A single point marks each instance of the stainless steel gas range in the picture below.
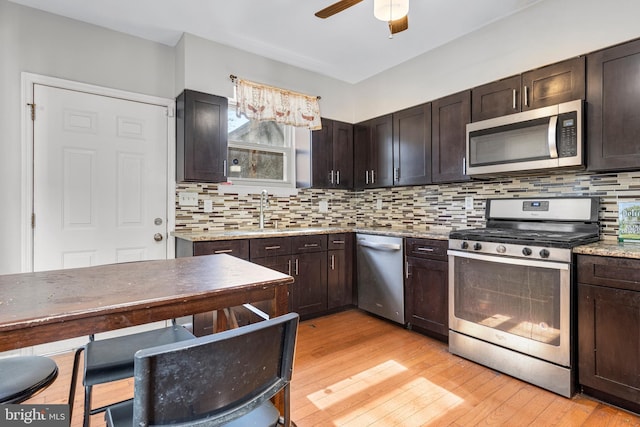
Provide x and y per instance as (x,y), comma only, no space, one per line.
(511,290)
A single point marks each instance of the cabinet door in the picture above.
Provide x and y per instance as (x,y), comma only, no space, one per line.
(342,151)
(426,290)
(496,99)
(381,174)
(554,84)
(449,132)
(309,292)
(322,154)
(609,341)
(373,147)
(340,270)
(613,108)
(412,146)
(201,137)
(361,154)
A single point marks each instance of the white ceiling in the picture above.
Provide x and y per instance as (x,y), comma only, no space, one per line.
(350,46)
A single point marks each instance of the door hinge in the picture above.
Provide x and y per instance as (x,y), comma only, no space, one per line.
(33,111)
(170,112)
(33,220)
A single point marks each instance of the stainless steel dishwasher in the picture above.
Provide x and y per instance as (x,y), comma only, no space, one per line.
(380,276)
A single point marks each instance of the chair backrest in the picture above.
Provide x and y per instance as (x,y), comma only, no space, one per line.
(214,379)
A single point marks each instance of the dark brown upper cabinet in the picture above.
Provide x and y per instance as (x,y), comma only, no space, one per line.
(553,84)
(613,108)
(450,116)
(373,147)
(201,137)
(332,155)
(412,146)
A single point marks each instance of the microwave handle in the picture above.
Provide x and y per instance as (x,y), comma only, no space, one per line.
(551,138)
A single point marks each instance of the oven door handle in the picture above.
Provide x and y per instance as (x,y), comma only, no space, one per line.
(512,261)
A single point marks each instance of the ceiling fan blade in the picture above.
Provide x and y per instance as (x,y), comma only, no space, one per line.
(399,24)
(336,7)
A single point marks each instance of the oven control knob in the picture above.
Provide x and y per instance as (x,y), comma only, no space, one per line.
(501,249)
(477,246)
(526,251)
(464,245)
(544,253)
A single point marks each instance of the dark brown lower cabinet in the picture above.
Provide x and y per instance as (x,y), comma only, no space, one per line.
(609,329)
(340,270)
(426,287)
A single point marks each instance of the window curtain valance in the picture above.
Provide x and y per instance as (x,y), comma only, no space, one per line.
(261,102)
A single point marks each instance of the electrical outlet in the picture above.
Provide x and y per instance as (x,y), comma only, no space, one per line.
(468,203)
(379,204)
(208,206)
(187,198)
(323,206)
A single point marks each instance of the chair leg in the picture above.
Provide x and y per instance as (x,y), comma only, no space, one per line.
(74,380)
(87,406)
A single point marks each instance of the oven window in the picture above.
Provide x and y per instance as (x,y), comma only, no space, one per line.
(517,299)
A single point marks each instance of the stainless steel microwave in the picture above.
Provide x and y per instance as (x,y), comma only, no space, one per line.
(544,138)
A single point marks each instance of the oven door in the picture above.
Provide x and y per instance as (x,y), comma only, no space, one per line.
(520,304)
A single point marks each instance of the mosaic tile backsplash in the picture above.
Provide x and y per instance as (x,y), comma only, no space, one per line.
(420,207)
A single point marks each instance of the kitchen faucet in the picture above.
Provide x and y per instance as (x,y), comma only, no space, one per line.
(264,202)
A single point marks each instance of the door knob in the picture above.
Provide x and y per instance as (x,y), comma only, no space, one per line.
(157,237)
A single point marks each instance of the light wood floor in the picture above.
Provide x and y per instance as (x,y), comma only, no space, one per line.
(352,369)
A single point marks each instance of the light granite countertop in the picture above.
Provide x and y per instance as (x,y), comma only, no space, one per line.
(206,236)
(602,248)
(610,248)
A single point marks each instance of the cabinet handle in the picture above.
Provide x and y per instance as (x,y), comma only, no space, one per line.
(514,99)
(270,248)
(406,269)
(331,177)
(311,245)
(289,267)
(526,96)
(338,242)
(333,262)
(296,267)
(338,177)
(223,251)
(396,174)
(366,177)
(224,168)
(425,249)
(464,166)
(373,177)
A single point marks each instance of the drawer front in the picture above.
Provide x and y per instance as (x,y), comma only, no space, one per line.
(426,248)
(314,243)
(271,246)
(238,248)
(620,273)
(338,241)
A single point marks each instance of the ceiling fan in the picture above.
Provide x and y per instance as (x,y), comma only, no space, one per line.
(394,12)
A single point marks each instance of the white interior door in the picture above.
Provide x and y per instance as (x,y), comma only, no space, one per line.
(100,179)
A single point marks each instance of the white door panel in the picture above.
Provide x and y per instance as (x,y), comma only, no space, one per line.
(100,179)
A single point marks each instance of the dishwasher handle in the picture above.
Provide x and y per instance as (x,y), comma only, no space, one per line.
(387,247)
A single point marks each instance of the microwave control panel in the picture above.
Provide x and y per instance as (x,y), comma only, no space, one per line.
(567,134)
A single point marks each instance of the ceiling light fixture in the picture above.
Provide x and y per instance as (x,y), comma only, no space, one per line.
(390,10)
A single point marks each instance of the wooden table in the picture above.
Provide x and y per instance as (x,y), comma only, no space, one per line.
(37,308)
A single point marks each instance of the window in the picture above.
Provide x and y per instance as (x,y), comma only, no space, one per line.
(260,153)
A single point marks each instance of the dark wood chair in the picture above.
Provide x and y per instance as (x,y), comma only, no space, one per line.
(21,377)
(111,359)
(227,378)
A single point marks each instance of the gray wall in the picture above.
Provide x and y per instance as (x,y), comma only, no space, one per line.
(46,44)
